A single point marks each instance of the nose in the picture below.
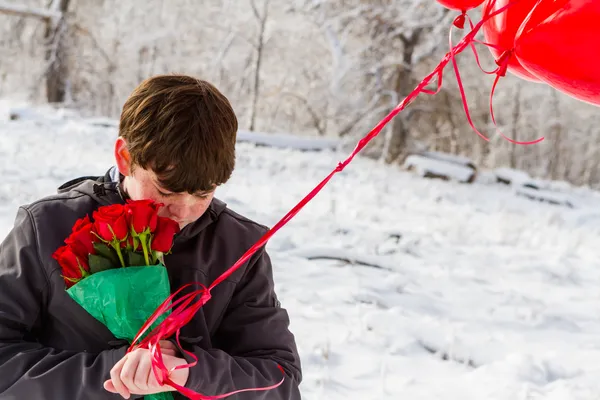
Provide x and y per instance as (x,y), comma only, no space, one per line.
(178,211)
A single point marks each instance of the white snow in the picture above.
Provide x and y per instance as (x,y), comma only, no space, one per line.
(47,114)
(280,140)
(481,294)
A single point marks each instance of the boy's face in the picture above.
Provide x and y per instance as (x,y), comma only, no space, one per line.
(140,184)
(184,208)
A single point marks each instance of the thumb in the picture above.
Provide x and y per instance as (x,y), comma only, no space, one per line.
(108,385)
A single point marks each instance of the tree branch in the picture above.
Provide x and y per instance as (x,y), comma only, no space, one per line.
(78,28)
(313,113)
(24,11)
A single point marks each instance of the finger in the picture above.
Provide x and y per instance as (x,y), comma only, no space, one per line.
(153,384)
(129,371)
(177,376)
(169,352)
(141,375)
(115,373)
(168,345)
(108,386)
(168,348)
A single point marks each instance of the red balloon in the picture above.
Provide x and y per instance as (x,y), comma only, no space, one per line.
(460,5)
(559,44)
(501,30)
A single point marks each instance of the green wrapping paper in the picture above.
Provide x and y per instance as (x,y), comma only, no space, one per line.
(123,299)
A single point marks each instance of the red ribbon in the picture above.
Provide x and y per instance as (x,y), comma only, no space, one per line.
(183,310)
(502,63)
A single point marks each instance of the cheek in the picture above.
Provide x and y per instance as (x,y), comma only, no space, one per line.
(138,190)
(183,208)
(146,193)
(199,208)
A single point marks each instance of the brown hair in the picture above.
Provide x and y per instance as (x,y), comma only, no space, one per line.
(182,128)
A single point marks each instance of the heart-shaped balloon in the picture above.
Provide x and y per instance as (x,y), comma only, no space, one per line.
(460,5)
(501,29)
(560,44)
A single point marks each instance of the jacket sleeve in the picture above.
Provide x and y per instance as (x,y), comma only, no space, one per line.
(252,340)
(28,369)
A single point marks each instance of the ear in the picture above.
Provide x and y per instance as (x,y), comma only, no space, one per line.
(122,156)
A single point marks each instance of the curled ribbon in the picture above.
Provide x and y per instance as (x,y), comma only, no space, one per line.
(183,309)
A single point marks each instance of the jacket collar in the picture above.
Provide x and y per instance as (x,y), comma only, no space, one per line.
(107,189)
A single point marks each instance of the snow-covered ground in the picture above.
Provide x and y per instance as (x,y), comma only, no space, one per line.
(445,291)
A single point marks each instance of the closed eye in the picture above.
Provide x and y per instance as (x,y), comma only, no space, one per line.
(163,194)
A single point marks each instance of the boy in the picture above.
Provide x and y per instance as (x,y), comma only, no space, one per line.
(176,145)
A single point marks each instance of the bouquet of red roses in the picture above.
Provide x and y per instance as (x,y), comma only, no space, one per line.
(113,266)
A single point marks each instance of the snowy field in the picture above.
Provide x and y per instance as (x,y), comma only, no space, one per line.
(398,287)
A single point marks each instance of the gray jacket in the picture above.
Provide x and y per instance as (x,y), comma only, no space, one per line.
(51,348)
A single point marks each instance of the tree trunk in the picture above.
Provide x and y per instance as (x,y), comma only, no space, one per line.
(516,113)
(262,21)
(555,135)
(57,73)
(454,146)
(397,146)
(403,84)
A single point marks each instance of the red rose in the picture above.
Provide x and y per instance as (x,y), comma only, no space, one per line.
(110,222)
(142,215)
(74,268)
(82,239)
(81,223)
(166,228)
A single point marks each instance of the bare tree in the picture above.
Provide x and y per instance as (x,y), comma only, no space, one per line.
(388,40)
(553,131)
(516,111)
(309,67)
(28,11)
(57,67)
(590,158)
(261,18)
(55,32)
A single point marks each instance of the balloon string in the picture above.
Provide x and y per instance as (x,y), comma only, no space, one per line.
(475,51)
(180,316)
(197,396)
(462,90)
(500,71)
(183,310)
(503,66)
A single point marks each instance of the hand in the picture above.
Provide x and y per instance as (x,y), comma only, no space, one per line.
(166,347)
(133,374)
(169,348)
